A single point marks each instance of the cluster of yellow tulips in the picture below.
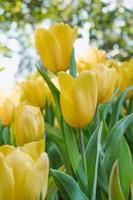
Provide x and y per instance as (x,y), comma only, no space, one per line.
(58,107)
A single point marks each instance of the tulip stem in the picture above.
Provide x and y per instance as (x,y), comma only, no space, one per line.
(82,149)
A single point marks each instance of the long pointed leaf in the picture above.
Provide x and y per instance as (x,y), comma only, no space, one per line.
(55,92)
(92,157)
(115,192)
(67,186)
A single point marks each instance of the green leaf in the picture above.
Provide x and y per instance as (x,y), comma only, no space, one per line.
(104,109)
(1,129)
(54,91)
(119,129)
(118,105)
(54,134)
(72,148)
(6,136)
(73,69)
(52,188)
(49,114)
(117,148)
(40,196)
(115,192)
(104,134)
(67,186)
(125,167)
(73,154)
(92,158)
(132,191)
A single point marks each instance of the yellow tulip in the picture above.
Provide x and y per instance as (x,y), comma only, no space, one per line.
(55,46)
(35,91)
(28,124)
(78,98)
(91,58)
(96,56)
(126,72)
(107,79)
(23,176)
(6,112)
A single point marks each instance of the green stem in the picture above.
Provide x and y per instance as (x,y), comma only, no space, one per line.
(82,149)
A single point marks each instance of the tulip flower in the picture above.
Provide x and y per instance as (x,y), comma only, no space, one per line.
(92,57)
(78,98)
(28,124)
(35,91)
(126,72)
(23,175)
(107,80)
(55,46)
(6,112)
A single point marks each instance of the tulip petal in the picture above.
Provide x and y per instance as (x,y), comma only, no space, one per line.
(20,162)
(48,49)
(66,36)
(37,177)
(6,149)
(65,82)
(7,181)
(34,149)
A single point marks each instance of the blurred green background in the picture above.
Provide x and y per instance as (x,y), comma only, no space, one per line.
(109,24)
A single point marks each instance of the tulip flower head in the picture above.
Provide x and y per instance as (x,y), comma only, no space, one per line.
(91,58)
(28,124)
(6,112)
(23,176)
(55,45)
(107,79)
(78,98)
(126,72)
(35,92)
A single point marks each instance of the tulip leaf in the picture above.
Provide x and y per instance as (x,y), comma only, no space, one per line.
(125,167)
(72,148)
(67,186)
(6,136)
(1,129)
(119,129)
(54,134)
(73,68)
(117,148)
(52,187)
(40,196)
(132,191)
(54,91)
(118,105)
(115,191)
(92,157)
(104,109)
(74,155)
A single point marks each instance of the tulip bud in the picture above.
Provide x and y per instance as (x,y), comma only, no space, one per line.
(6,112)
(107,79)
(35,92)
(28,124)
(23,176)
(55,46)
(78,98)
